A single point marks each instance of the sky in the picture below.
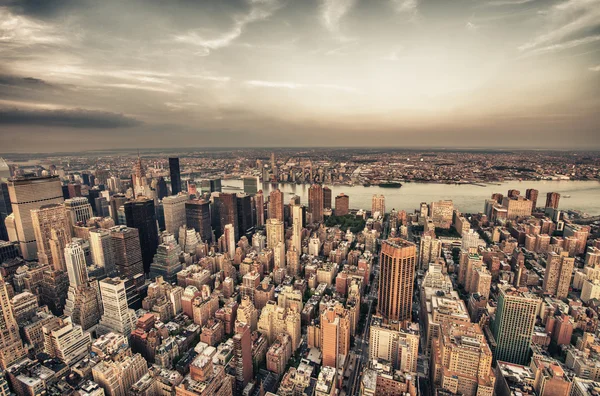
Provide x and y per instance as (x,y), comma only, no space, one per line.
(88,74)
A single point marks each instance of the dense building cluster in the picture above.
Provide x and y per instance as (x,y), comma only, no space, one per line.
(151,286)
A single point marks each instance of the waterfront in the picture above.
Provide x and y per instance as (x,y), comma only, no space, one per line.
(468,198)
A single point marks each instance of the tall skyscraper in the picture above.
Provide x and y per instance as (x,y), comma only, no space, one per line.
(11,347)
(513,325)
(5,210)
(244,212)
(27,194)
(315,202)
(140,214)
(297,227)
(430,249)
(79,210)
(82,303)
(259,203)
(276,205)
(532,195)
(175,175)
(127,251)
(326,198)
(52,232)
(275,233)
(378,205)
(335,335)
(116,201)
(139,183)
(557,278)
(342,205)
(225,212)
(251,184)
(102,249)
(175,214)
(197,216)
(242,353)
(397,260)
(552,200)
(117,317)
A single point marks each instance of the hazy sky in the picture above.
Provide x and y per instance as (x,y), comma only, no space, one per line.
(89,74)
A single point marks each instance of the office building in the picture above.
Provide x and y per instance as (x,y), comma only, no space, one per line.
(552,200)
(326,198)
(276,205)
(245,215)
(127,251)
(513,325)
(559,271)
(259,204)
(79,210)
(166,262)
(315,203)
(11,346)
(532,195)
(66,341)
(242,353)
(251,184)
(378,205)
(117,201)
(140,214)
(430,249)
(27,194)
(275,233)
(5,210)
(297,214)
(396,279)
(102,249)
(335,335)
(175,174)
(224,211)
(52,232)
(174,208)
(342,205)
(117,316)
(197,216)
(394,344)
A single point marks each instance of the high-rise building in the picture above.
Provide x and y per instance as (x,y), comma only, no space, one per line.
(259,203)
(225,212)
(5,210)
(175,213)
(315,202)
(552,200)
(275,233)
(517,206)
(276,205)
(513,325)
(175,175)
(244,212)
(396,280)
(378,205)
(335,335)
(342,205)
(11,347)
(559,270)
(102,249)
(430,249)
(394,344)
(139,183)
(242,352)
(442,213)
(532,195)
(166,262)
(297,227)
(52,232)
(82,303)
(79,210)
(251,184)
(140,214)
(162,191)
(65,340)
(326,197)
(117,317)
(127,251)
(117,201)
(27,194)
(197,216)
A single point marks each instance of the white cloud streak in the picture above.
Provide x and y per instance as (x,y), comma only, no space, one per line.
(293,85)
(332,12)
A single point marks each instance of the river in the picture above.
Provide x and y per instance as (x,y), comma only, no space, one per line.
(468,198)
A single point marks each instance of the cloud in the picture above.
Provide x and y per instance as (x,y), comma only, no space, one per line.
(568,24)
(292,85)
(259,10)
(332,12)
(406,6)
(595,68)
(71,118)
(565,45)
(19,81)
(471,27)
(21,31)
(508,2)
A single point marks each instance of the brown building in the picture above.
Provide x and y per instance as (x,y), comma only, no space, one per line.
(552,199)
(342,205)
(242,353)
(315,202)
(398,261)
(326,198)
(532,195)
(276,205)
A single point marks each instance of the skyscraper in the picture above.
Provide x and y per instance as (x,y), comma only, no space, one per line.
(275,233)
(52,233)
(102,249)
(5,210)
(396,280)
(342,205)
(139,182)
(79,210)
(557,278)
(116,201)
(251,184)
(140,214)
(513,325)
(552,199)
(11,347)
(224,212)
(276,205)
(175,213)
(117,316)
(175,175)
(197,216)
(315,202)
(242,353)
(127,251)
(27,194)
(259,203)
(378,205)
(297,227)
(532,195)
(326,198)
(244,212)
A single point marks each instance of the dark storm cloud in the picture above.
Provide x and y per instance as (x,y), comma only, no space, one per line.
(71,118)
(18,81)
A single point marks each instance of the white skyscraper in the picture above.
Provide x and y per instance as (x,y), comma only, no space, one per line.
(79,209)
(76,266)
(101,245)
(297,227)
(230,238)
(174,207)
(117,316)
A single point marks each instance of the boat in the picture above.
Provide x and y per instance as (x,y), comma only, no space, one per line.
(566,196)
(366,185)
(391,185)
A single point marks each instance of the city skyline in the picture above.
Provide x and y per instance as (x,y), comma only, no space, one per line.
(264,73)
